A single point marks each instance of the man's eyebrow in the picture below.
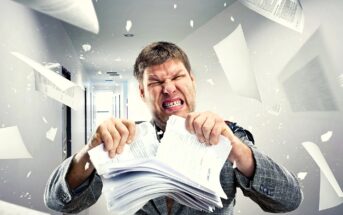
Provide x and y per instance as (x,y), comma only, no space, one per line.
(153,77)
(179,71)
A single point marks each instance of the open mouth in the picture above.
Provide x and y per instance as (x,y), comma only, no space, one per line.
(172,104)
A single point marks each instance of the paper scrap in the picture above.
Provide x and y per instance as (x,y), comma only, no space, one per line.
(326,137)
(210,81)
(28,174)
(51,134)
(44,120)
(86,47)
(302,175)
(232,19)
(128,25)
(79,13)
(331,194)
(234,57)
(191,23)
(288,13)
(54,85)
(7,208)
(12,145)
(175,6)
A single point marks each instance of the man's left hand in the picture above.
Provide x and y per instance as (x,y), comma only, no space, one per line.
(208,127)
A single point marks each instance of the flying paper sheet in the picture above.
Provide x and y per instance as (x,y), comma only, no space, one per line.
(78,13)
(51,134)
(53,84)
(288,13)
(326,137)
(331,194)
(307,78)
(12,145)
(7,208)
(234,57)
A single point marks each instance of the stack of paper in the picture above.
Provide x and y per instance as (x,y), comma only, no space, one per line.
(179,167)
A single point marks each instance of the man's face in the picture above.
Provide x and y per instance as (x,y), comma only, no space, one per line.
(168,89)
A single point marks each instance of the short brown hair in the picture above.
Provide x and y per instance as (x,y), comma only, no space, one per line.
(157,53)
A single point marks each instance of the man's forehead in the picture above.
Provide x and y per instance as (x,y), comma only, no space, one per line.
(169,66)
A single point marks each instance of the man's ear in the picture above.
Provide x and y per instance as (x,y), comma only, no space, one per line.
(193,79)
(141,91)
(192,76)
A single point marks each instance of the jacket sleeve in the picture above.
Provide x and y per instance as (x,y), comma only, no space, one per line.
(59,197)
(272,186)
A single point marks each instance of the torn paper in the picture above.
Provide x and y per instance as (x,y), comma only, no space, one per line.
(86,47)
(51,134)
(331,194)
(147,170)
(326,137)
(301,175)
(12,145)
(54,85)
(79,13)
(128,25)
(7,208)
(234,58)
(204,165)
(191,23)
(288,13)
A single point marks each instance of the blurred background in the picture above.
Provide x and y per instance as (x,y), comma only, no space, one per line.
(284,83)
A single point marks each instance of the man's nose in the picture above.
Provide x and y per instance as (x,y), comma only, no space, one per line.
(169,87)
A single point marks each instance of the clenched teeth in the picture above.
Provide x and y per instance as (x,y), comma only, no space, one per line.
(172,104)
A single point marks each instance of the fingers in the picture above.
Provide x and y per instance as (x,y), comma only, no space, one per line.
(207,127)
(114,134)
(127,130)
(131,126)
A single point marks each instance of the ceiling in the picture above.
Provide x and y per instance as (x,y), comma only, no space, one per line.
(152,20)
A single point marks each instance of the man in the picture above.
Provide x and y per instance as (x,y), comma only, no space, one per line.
(167,86)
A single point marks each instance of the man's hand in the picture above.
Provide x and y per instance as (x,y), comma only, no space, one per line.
(208,127)
(114,134)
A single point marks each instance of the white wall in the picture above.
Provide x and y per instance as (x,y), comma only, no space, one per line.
(43,39)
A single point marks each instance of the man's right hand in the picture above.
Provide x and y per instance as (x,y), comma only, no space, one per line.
(114,134)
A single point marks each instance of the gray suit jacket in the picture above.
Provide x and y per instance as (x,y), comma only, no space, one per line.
(272,187)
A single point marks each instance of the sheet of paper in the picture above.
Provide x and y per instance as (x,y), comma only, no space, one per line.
(12,145)
(7,208)
(307,78)
(288,13)
(144,145)
(331,194)
(54,85)
(234,58)
(198,161)
(79,13)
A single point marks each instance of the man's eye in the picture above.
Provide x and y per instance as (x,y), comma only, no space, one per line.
(178,77)
(154,83)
